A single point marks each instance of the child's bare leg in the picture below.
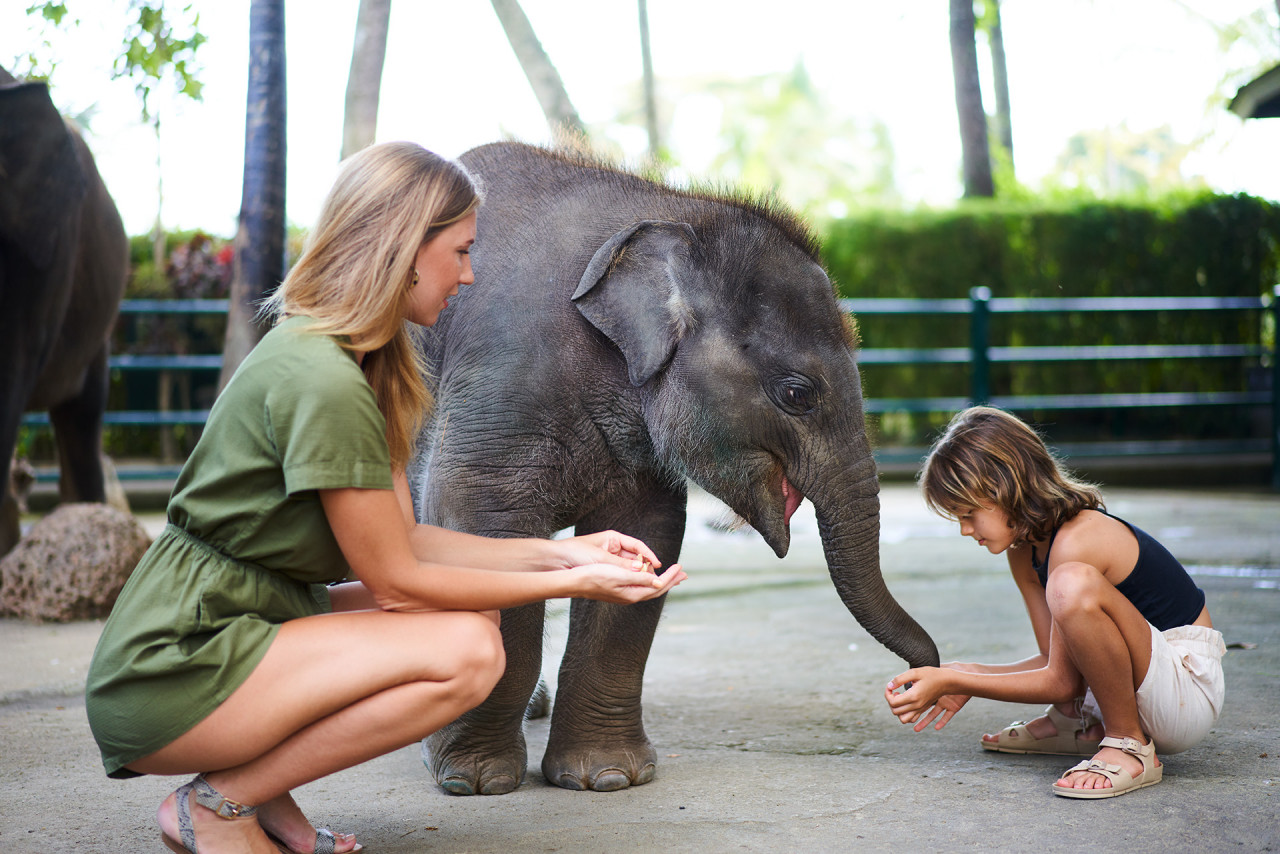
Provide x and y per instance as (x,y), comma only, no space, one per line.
(331,692)
(1109,642)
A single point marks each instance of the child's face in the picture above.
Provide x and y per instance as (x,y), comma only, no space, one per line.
(987,525)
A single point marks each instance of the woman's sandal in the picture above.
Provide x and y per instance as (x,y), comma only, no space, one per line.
(1016,738)
(326,843)
(1121,780)
(210,798)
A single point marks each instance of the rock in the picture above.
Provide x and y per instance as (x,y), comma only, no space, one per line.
(72,565)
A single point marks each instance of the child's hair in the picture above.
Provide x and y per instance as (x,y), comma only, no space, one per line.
(989,458)
(356,268)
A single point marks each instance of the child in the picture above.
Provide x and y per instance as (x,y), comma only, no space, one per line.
(1122,629)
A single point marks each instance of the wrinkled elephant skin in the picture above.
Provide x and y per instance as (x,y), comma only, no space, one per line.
(621,339)
(63,261)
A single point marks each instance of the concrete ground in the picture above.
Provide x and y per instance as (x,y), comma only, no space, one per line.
(763,698)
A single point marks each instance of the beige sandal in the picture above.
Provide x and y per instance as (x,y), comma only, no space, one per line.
(1016,738)
(1121,781)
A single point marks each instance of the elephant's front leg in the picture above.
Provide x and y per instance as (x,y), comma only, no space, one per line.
(597,736)
(483,752)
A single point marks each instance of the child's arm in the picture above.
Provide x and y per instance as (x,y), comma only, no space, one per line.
(1024,575)
(934,690)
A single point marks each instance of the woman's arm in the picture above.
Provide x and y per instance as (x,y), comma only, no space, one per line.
(371,530)
(440,545)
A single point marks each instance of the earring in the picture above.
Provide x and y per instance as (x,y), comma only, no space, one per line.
(414,283)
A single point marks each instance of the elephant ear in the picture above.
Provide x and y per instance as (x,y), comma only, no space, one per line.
(41,181)
(631,292)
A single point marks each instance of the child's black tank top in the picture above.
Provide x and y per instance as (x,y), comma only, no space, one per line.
(1159,587)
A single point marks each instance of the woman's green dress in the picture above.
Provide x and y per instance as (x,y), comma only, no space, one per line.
(246,547)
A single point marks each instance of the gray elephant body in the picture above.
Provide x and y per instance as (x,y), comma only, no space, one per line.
(621,338)
(63,263)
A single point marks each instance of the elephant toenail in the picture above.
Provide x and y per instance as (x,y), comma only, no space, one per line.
(457,786)
(611,781)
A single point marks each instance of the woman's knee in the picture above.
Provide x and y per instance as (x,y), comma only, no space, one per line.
(481,658)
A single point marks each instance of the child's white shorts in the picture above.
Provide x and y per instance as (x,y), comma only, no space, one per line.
(1181,696)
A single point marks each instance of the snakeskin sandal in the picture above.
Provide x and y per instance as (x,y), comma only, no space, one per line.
(210,798)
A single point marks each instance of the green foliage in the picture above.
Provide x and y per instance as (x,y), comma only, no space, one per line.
(1185,245)
(154,52)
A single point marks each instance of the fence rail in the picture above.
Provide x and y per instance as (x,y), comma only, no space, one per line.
(979,355)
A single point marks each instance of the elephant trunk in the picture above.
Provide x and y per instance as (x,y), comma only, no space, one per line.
(850,529)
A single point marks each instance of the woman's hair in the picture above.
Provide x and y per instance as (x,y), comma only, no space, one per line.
(989,458)
(356,268)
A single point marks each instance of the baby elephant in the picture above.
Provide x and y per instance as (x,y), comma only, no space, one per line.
(622,338)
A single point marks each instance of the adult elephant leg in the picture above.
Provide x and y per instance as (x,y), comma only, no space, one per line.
(597,736)
(483,752)
(77,427)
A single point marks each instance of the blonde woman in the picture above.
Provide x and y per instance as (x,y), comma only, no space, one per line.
(232,652)
(1127,652)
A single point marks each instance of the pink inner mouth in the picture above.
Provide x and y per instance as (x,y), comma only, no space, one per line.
(791,498)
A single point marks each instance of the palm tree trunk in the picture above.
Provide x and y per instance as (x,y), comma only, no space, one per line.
(543,77)
(1000,78)
(364,80)
(260,239)
(973,119)
(650,100)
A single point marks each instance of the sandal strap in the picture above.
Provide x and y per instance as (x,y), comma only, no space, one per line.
(223,807)
(325,841)
(1131,746)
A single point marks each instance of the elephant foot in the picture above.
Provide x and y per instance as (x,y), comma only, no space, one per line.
(598,770)
(463,771)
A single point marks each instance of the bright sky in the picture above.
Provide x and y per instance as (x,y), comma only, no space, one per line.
(451,82)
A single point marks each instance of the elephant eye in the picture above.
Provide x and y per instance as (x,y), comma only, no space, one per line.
(795,395)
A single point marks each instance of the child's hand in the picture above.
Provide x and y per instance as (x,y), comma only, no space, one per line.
(926,700)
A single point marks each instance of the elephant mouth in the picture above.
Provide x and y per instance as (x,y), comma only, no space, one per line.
(791,498)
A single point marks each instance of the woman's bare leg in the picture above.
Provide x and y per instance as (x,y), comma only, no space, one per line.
(332,691)
(1109,642)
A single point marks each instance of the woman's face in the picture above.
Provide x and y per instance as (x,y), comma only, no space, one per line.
(442,264)
(989,526)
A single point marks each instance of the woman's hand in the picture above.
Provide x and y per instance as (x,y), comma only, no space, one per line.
(608,583)
(930,697)
(607,547)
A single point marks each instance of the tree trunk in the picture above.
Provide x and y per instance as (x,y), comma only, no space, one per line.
(650,100)
(260,239)
(364,80)
(1000,78)
(973,119)
(543,77)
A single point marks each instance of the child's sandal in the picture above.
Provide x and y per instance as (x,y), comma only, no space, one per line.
(1016,738)
(210,798)
(1121,781)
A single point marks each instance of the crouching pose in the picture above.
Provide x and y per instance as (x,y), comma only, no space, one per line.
(1129,659)
(227,654)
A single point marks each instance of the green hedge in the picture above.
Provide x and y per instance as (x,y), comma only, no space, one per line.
(1185,246)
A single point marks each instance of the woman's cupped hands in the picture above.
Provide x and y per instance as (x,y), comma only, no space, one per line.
(616,567)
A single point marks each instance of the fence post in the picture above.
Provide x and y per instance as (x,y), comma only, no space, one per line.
(979,333)
(1275,388)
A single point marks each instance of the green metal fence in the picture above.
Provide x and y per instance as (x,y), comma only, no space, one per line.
(980,355)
